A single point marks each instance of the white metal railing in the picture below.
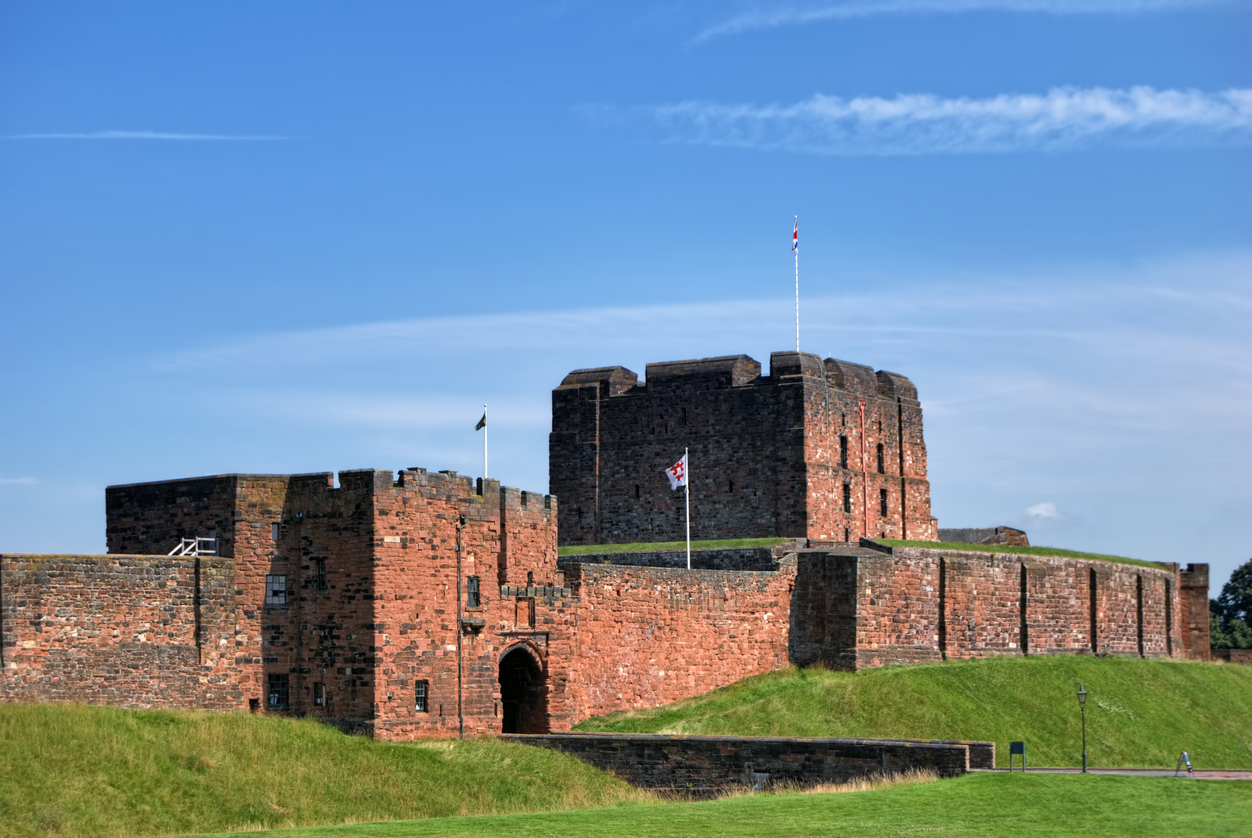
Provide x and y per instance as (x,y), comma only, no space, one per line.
(195,547)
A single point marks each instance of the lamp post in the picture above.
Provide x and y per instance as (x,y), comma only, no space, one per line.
(1082,703)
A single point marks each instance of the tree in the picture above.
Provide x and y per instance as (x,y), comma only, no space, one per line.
(1230,615)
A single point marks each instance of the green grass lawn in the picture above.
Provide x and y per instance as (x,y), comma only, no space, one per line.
(990,805)
(648,547)
(1140,713)
(1009,548)
(70,770)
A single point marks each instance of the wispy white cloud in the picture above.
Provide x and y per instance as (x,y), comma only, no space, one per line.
(144,135)
(1062,119)
(1047,509)
(18,481)
(772,16)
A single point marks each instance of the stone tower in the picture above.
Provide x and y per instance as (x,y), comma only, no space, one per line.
(826,450)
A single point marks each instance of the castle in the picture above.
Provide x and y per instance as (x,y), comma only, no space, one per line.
(417,604)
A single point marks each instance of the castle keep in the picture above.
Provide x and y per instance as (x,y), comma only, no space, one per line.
(417,604)
(825,450)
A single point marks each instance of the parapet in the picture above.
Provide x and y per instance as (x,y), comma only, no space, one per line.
(613,380)
(853,378)
(1194,576)
(789,364)
(892,385)
(724,371)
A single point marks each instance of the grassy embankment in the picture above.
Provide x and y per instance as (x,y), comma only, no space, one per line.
(649,547)
(69,770)
(726,543)
(1140,713)
(1008,548)
(977,806)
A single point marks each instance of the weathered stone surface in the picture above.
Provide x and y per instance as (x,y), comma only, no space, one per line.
(985,535)
(703,766)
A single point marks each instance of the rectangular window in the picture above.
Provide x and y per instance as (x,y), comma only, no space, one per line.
(276,591)
(472,597)
(881,470)
(319,574)
(421,696)
(847,497)
(277,697)
(882,501)
(273,532)
(843,452)
(319,695)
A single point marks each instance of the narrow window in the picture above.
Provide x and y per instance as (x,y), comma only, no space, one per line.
(847,497)
(636,491)
(843,451)
(274,532)
(277,699)
(276,591)
(319,574)
(684,416)
(730,487)
(847,534)
(319,695)
(530,579)
(880,463)
(472,598)
(421,696)
(882,502)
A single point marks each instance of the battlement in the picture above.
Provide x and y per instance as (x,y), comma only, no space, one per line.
(725,371)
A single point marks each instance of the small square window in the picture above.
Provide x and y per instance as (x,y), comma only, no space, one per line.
(319,695)
(277,697)
(276,590)
(473,598)
(421,696)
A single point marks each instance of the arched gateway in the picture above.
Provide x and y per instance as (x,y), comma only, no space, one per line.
(523,692)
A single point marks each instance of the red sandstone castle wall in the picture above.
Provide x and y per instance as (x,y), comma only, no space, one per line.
(648,636)
(919,604)
(130,631)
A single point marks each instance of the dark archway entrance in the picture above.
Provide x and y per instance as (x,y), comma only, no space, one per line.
(523,693)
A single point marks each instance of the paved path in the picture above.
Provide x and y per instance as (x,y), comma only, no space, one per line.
(1204,774)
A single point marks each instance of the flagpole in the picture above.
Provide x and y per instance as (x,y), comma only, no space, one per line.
(484,447)
(687,498)
(796,247)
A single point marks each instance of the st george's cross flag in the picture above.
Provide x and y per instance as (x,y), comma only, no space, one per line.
(677,473)
(795,235)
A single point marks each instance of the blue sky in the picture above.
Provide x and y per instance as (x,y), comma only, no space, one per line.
(287,237)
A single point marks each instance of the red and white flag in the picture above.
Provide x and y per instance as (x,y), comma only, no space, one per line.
(795,235)
(677,473)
